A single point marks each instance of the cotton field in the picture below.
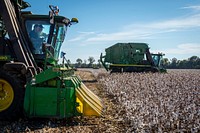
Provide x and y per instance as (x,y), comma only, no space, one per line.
(155,102)
(133,103)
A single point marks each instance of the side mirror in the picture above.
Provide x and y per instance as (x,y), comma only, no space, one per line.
(74,21)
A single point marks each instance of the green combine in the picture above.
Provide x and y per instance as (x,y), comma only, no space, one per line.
(32,83)
(131,57)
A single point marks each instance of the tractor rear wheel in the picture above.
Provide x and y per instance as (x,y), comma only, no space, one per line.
(11,96)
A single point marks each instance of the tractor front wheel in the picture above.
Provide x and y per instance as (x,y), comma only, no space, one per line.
(11,96)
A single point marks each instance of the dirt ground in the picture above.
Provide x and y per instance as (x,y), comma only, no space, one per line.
(111,121)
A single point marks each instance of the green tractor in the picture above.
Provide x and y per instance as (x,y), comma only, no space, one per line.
(131,57)
(32,82)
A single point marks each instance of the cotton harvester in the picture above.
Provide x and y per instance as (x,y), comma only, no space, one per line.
(32,82)
(131,57)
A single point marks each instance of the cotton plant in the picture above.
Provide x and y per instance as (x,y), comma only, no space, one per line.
(157,102)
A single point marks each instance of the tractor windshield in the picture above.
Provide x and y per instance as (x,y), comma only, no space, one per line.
(41,32)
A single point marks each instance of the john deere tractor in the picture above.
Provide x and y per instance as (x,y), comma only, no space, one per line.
(131,57)
(32,82)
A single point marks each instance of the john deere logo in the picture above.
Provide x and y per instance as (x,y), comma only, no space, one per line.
(4,58)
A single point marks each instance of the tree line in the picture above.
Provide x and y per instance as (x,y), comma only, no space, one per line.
(89,63)
(190,63)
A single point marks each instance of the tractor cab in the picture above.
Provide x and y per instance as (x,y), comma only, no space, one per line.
(45,38)
(157,59)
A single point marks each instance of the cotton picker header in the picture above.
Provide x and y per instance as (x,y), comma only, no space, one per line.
(32,83)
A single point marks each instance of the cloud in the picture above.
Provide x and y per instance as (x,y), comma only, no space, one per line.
(182,49)
(112,36)
(189,21)
(81,36)
(148,30)
(196,7)
(178,24)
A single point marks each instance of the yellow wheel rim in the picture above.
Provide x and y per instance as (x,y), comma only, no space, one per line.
(6,95)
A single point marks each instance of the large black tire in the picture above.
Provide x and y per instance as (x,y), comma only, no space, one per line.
(13,91)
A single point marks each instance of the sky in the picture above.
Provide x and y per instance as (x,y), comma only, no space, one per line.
(168,26)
